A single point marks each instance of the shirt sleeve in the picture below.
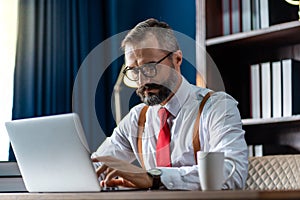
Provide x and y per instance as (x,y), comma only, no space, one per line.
(220,130)
(180,178)
(120,145)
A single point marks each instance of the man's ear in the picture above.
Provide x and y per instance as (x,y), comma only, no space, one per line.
(177,59)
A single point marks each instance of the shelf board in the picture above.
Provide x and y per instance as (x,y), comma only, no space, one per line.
(281,134)
(261,121)
(279,34)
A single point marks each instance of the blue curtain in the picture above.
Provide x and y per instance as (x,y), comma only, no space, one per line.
(56,36)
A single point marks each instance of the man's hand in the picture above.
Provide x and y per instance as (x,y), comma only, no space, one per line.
(128,175)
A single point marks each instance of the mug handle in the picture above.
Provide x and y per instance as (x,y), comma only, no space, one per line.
(232,162)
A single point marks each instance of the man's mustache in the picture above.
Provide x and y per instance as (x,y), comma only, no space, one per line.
(148,86)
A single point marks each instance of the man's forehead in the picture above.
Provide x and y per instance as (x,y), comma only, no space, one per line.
(141,52)
(148,41)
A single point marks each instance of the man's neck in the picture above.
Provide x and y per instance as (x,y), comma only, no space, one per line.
(172,93)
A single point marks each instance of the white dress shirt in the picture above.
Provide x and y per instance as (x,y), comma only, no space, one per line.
(220,130)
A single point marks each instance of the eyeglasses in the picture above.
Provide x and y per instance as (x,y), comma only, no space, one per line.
(148,70)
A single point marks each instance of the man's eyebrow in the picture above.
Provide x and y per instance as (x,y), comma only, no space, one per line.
(150,62)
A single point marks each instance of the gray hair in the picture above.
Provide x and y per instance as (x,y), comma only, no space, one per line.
(161,30)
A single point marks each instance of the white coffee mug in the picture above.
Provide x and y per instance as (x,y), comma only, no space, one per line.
(211,169)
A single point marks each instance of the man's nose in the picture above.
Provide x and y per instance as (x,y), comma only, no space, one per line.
(143,79)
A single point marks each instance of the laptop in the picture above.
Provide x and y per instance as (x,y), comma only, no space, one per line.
(53,154)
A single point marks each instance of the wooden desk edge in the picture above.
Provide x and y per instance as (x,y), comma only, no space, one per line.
(236,194)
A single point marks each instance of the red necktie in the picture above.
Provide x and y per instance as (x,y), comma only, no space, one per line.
(163,158)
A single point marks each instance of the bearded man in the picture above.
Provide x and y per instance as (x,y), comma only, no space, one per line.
(164,141)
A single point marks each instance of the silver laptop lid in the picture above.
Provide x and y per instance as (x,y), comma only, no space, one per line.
(53,154)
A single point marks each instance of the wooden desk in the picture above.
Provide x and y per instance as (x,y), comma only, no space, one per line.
(238,194)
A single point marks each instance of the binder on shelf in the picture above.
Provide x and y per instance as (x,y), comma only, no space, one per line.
(276,89)
(287,87)
(226,17)
(250,151)
(258,150)
(255,91)
(231,16)
(264,13)
(235,16)
(266,89)
(246,15)
(291,87)
(255,15)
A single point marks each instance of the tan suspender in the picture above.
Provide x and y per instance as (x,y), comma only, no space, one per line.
(141,125)
(196,141)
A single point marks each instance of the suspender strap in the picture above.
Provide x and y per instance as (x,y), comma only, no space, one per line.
(196,140)
(141,125)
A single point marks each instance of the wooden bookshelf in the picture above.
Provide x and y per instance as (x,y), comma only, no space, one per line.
(274,120)
(280,34)
(233,54)
(278,135)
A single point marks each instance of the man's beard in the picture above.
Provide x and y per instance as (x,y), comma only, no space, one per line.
(165,90)
(153,98)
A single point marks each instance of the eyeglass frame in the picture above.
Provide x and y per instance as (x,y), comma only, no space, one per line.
(140,68)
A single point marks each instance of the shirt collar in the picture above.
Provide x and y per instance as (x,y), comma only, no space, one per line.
(176,102)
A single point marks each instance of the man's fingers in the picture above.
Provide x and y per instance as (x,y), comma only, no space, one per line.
(101,169)
(104,159)
(112,183)
(128,183)
(119,182)
(110,179)
(111,175)
(111,168)
(116,182)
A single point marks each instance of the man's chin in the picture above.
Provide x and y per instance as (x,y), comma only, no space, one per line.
(153,95)
(152,100)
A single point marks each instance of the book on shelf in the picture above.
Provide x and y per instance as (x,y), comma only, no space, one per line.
(235,16)
(255,90)
(266,89)
(291,87)
(255,14)
(246,15)
(255,150)
(10,177)
(231,16)
(258,150)
(250,151)
(264,13)
(276,89)
(226,17)
(287,88)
